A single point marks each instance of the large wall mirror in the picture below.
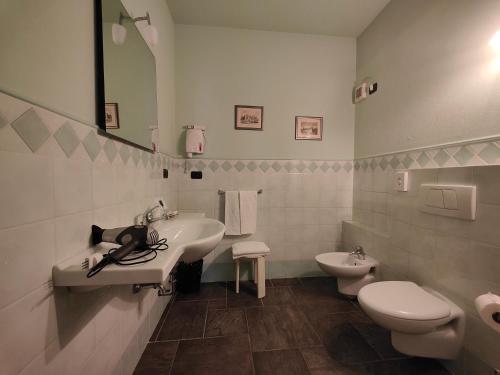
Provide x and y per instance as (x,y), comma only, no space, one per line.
(125,76)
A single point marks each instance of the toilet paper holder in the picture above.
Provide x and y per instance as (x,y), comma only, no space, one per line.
(496,317)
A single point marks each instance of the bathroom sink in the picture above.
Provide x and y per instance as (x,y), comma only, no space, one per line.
(197,235)
(343,264)
(190,237)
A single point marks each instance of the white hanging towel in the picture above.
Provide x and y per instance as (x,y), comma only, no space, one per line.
(232,213)
(248,211)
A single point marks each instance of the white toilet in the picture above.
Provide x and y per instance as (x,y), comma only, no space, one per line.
(423,322)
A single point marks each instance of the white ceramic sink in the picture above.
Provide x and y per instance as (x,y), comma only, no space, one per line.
(190,237)
(342,264)
(198,235)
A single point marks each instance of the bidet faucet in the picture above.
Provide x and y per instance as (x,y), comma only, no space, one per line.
(358,252)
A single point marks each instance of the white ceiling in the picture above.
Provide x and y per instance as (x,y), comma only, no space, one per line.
(327,17)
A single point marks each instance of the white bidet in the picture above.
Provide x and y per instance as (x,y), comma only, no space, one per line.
(352,273)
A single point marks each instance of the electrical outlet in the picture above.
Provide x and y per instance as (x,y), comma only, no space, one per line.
(401,181)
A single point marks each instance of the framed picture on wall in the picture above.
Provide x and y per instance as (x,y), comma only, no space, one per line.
(308,128)
(248,117)
(111,116)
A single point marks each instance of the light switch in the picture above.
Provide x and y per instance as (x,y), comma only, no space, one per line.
(434,198)
(450,199)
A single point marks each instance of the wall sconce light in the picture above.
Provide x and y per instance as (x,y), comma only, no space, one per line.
(119,32)
(495,41)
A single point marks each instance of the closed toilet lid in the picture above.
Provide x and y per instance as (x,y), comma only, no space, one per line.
(403,300)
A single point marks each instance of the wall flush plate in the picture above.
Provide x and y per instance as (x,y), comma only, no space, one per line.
(401,181)
(458,201)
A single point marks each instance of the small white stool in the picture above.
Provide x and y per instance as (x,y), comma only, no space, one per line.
(256,252)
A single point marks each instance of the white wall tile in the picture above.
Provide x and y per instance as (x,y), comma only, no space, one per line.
(487,180)
(459,258)
(26,259)
(72,234)
(27,189)
(27,327)
(104,184)
(72,186)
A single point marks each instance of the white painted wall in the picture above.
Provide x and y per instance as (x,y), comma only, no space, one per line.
(50,61)
(436,74)
(289,74)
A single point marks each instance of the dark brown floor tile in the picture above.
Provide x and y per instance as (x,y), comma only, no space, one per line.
(285,282)
(317,357)
(157,358)
(319,307)
(343,342)
(308,293)
(279,362)
(228,322)
(185,320)
(246,297)
(154,336)
(207,291)
(345,370)
(376,336)
(214,304)
(315,281)
(279,296)
(412,366)
(318,361)
(221,356)
(279,327)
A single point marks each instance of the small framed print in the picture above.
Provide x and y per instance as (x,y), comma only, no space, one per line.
(111,116)
(308,128)
(248,117)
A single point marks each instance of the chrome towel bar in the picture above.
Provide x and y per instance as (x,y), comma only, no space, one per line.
(222,192)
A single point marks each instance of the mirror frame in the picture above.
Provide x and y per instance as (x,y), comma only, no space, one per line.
(100,95)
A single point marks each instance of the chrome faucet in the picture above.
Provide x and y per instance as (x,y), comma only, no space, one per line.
(149,216)
(358,252)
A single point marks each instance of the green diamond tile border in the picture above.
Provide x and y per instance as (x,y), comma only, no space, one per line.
(125,153)
(30,127)
(264,166)
(300,166)
(3,121)
(200,165)
(67,139)
(213,165)
(239,165)
(383,164)
(407,161)
(91,145)
(463,155)
(252,166)
(441,157)
(490,153)
(348,166)
(423,159)
(312,167)
(226,166)
(136,156)
(110,150)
